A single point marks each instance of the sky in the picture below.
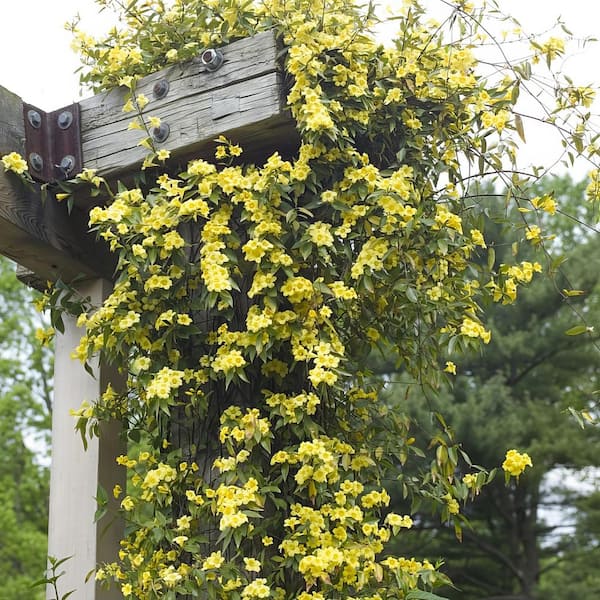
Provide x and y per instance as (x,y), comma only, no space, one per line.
(38,64)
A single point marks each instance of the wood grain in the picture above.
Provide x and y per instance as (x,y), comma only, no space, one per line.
(243,96)
(243,100)
(42,236)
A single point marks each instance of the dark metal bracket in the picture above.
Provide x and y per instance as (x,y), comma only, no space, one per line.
(53,142)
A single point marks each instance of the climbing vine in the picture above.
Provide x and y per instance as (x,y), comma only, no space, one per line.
(249,295)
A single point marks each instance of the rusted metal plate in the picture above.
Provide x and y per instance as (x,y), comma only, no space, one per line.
(53,142)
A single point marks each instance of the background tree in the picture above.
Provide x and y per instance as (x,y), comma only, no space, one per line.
(25,405)
(516,392)
(570,573)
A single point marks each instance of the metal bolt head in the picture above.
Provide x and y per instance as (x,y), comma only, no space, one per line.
(212,59)
(161,89)
(36,162)
(161,133)
(34,118)
(65,119)
(67,164)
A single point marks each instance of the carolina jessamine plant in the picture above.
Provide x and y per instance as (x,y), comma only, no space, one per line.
(248,297)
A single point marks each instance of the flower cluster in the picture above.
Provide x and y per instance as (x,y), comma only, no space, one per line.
(250,292)
(514,464)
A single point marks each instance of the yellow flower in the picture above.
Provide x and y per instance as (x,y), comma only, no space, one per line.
(127,503)
(180,540)
(141,101)
(552,48)
(162,155)
(452,504)
(214,561)
(170,576)
(514,463)
(470,480)
(257,589)
(395,520)
(450,367)
(44,336)
(154,122)
(320,234)
(297,289)
(251,564)
(473,329)
(534,234)
(477,238)
(14,162)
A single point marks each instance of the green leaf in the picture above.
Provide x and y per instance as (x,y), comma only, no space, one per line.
(422,595)
(577,330)
(101,502)
(519,127)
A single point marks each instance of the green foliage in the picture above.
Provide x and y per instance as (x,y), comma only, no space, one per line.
(570,574)
(52,579)
(516,394)
(24,417)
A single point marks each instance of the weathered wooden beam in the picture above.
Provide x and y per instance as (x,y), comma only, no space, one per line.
(39,235)
(244,100)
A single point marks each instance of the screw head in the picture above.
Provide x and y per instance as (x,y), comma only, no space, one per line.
(161,133)
(65,119)
(36,162)
(67,164)
(161,88)
(34,118)
(212,59)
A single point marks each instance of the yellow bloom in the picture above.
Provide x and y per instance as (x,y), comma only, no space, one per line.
(214,561)
(180,540)
(514,463)
(473,329)
(141,101)
(469,480)
(395,520)
(127,503)
(450,367)
(162,155)
(251,564)
(477,238)
(257,589)
(452,504)
(14,162)
(534,233)
(320,234)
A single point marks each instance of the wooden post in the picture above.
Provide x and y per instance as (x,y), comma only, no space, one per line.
(76,474)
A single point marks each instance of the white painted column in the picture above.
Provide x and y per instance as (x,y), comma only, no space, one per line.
(76,474)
